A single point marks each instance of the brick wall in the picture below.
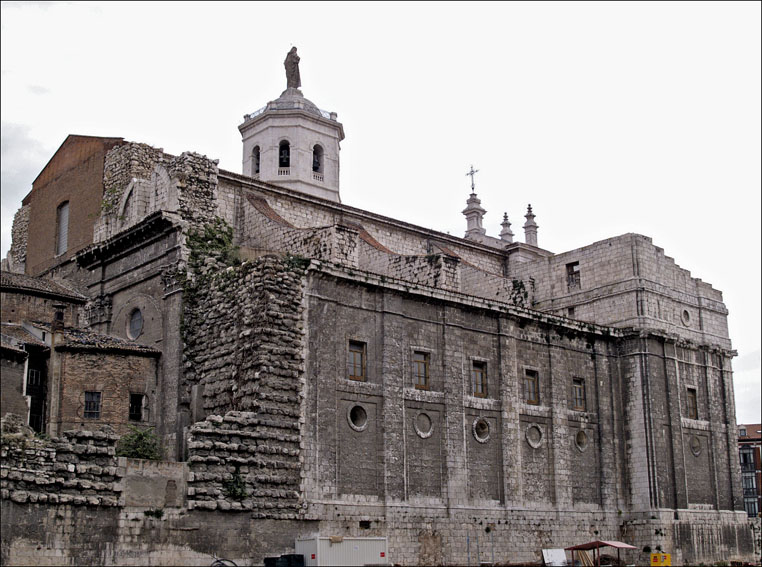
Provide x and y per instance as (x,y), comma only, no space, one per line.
(18,307)
(13,382)
(115,376)
(74,174)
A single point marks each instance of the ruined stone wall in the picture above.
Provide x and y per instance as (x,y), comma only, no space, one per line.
(19,236)
(139,180)
(243,339)
(246,461)
(79,468)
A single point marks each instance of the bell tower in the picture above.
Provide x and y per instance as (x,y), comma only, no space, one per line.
(291,142)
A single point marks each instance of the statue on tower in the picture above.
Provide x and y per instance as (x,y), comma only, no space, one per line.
(293,80)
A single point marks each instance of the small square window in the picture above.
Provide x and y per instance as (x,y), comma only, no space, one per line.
(92,405)
(572,275)
(421,370)
(578,394)
(692,404)
(532,387)
(136,407)
(479,379)
(356,361)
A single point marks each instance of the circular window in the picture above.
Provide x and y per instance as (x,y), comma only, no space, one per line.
(423,426)
(686,317)
(135,327)
(580,440)
(358,418)
(695,446)
(481,430)
(534,436)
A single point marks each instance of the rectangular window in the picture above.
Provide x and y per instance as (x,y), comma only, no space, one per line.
(578,394)
(356,361)
(421,370)
(531,387)
(479,379)
(692,404)
(92,405)
(751,507)
(136,407)
(62,228)
(33,377)
(747,459)
(572,275)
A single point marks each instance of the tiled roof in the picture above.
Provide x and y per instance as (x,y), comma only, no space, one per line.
(22,282)
(753,431)
(80,339)
(13,334)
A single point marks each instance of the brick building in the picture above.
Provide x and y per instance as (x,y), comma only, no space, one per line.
(58,377)
(366,376)
(749,448)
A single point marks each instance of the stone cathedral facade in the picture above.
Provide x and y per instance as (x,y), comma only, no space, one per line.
(473,398)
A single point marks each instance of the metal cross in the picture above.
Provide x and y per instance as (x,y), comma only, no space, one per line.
(471,173)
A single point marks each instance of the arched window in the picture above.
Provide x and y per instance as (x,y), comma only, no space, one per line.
(284,154)
(255,161)
(62,228)
(317,159)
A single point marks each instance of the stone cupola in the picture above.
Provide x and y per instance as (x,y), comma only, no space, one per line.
(291,142)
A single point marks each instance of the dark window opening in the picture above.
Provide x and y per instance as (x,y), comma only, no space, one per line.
(421,370)
(136,407)
(532,387)
(479,379)
(578,394)
(255,160)
(92,405)
(364,524)
(33,378)
(572,275)
(284,155)
(356,361)
(317,159)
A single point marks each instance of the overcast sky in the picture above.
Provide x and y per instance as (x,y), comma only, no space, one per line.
(607,117)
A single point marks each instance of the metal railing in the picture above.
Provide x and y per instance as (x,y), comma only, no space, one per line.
(747,467)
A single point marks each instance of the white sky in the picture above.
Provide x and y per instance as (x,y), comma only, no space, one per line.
(607,117)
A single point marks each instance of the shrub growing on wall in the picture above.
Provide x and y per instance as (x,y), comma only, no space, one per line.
(139,444)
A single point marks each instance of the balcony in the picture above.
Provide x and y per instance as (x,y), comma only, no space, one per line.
(749,492)
(284,171)
(317,176)
(747,467)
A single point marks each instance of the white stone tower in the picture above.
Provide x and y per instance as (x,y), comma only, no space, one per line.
(291,142)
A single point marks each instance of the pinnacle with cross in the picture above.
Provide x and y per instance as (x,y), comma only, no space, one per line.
(472,173)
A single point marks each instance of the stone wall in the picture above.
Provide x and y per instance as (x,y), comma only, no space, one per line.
(246,461)
(139,180)
(19,236)
(243,339)
(79,468)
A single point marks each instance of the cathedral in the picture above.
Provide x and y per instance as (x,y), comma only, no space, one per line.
(311,368)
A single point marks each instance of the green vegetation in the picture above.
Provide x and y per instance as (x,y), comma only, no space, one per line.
(139,444)
(235,488)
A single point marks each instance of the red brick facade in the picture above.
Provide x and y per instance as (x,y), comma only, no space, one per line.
(74,174)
